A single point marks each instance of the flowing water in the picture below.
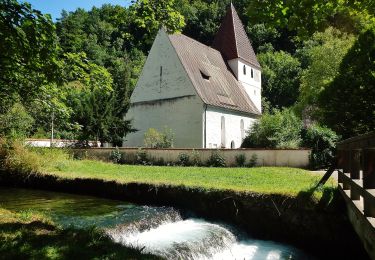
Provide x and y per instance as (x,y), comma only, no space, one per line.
(158,230)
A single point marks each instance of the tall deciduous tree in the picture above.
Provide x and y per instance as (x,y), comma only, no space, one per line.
(280,78)
(93,101)
(322,54)
(28,53)
(306,16)
(149,15)
(347,104)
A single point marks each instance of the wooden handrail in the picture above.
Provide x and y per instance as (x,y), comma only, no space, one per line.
(356,168)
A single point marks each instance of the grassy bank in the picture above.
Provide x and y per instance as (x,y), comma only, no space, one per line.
(267,180)
(280,180)
(31,235)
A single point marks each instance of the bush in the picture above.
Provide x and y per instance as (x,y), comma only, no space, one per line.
(16,123)
(240,160)
(142,157)
(115,155)
(216,160)
(15,157)
(155,139)
(183,159)
(253,160)
(195,158)
(322,141)
(282,129)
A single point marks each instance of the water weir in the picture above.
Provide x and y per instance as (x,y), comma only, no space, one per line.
(324,232)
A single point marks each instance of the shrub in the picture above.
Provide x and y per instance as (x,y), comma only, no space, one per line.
(115,155)
(281,129)
(155,139)
(216,160)
(16,123)
(183,159)
(253,160)
(240,160)
(322,141)
(15,157)
(195,158)
(142,157)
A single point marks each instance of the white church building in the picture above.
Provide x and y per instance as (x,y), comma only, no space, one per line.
(208,96)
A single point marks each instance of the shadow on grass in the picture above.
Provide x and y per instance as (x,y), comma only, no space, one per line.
(38,240)
(329,200)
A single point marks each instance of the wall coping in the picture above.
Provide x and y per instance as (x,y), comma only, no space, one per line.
(194,149)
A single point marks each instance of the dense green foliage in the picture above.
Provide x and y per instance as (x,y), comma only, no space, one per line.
(280,78)
(322,141)
(281,129)
(28,53)
(348,104)
(78,73)
(321,55)
(155,139)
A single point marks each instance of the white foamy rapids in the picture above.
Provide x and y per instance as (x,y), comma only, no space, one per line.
(198,239)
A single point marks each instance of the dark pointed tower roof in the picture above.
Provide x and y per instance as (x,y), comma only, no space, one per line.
(231,39)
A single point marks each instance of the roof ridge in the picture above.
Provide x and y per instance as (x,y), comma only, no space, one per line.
(234,27)
(194,40)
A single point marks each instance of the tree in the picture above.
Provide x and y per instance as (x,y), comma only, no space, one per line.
(149,15)
(307,17)
(155,139)
(322,142)
(280,78)
(28,53)
(94,101)
(281,129)
(16,123)
(347,104)
(322,55)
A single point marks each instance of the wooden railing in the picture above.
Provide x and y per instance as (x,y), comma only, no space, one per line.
(356,171)
(356,179)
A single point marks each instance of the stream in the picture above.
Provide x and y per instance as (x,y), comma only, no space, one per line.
(162,231)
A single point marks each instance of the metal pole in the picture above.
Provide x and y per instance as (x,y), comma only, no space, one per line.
(52,119)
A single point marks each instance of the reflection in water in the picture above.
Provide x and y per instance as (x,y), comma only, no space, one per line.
(157,230)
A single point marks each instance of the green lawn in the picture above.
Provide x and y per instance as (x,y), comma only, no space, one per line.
(280,180)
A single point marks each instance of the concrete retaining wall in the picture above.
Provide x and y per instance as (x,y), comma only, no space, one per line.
(298,158)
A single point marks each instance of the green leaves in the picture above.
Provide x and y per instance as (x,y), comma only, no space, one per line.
(150,15)
(323,53)
(281,129)
(280,78)
(347,104)
(28,53)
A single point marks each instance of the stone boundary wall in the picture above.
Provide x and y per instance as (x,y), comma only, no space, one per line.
(298,158)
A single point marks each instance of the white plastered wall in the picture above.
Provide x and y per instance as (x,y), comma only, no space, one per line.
(232,127)
(252,85)
(165,98)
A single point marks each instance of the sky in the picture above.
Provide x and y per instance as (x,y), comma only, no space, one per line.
(54,7)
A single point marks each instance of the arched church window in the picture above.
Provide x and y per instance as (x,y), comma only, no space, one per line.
(244,69)
(242,127)
(222,132)
(252,73)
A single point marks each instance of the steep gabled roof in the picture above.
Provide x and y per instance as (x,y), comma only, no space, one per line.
(231,39)
(210,76)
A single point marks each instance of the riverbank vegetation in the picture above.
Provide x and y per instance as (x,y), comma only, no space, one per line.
(269,180)
(32,235)
(78,73)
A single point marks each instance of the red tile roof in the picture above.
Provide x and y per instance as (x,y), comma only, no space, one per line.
(232,41)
